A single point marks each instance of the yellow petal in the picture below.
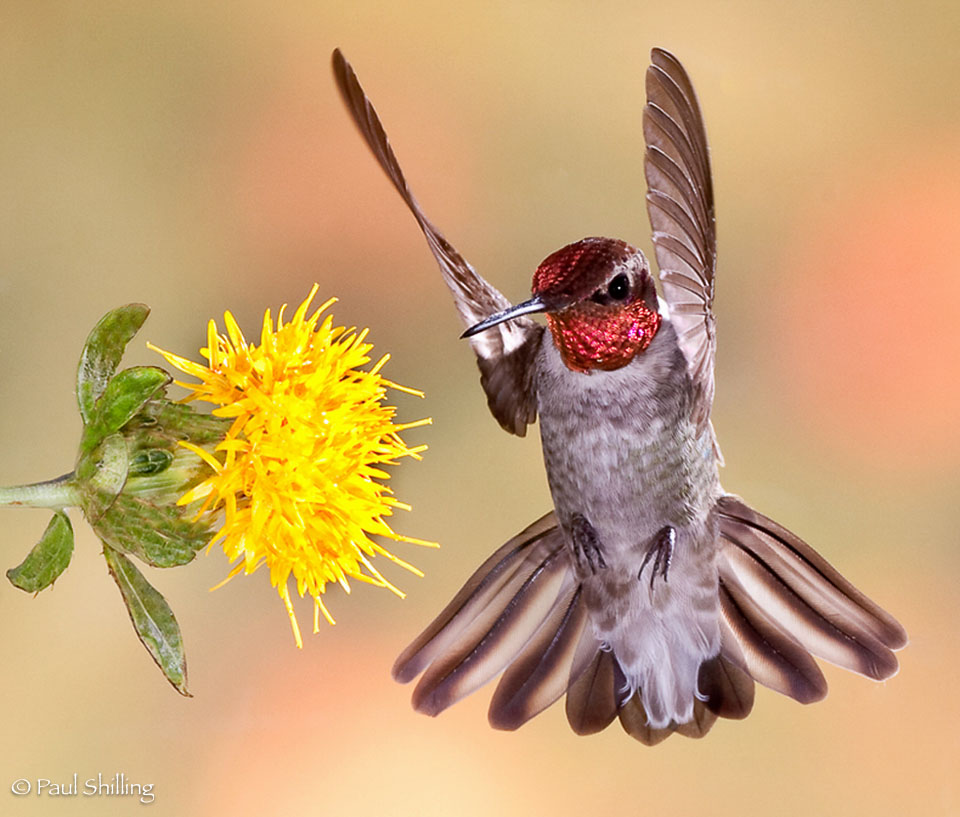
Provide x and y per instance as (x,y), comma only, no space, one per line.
(299,477)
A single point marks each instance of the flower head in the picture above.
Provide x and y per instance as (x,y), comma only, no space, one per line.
(298,475)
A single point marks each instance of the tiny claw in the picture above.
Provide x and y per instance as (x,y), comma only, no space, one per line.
(661,551)
(587,550)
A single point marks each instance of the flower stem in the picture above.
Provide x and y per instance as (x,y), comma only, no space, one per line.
(56,493)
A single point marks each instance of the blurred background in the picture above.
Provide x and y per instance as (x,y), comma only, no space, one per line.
(196,156)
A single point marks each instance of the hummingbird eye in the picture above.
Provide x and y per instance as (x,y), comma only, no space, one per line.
(619,287)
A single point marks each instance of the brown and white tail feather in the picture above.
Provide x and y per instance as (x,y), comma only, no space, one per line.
(541,673)
(524,587)
(491,642)
(772,656)
(797,592)
(702,721)
(484,591)
(842,641)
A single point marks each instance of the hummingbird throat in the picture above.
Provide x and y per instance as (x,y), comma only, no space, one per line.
(590,336)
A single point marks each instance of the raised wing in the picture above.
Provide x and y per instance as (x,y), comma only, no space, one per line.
(680,204)
(506,352)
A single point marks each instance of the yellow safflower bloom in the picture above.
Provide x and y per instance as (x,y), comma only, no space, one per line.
(298,475)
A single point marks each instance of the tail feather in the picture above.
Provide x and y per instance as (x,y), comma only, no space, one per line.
(484,590)
(592,699)
(541,673)
(633,719)
(773,657)
(702,721)
(493,640)
(842,641)
(806,573)
(727,692)
(782,603)
(727,687)
(523,612)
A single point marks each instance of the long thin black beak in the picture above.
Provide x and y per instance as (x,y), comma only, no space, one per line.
(533,305)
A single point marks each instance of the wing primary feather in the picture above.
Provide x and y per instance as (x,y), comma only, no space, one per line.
(670,67)
(671,145)
(669,216)
(686,254)
(505,351)
(680,206)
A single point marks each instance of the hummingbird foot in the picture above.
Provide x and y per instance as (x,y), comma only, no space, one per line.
(661,551)
(587,551)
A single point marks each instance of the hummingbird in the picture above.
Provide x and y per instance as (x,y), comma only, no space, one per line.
(649,594)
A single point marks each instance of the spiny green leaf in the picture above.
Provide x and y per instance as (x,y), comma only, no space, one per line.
(48,559)
(152,618)
(161,536)
(123,397)
(102,353)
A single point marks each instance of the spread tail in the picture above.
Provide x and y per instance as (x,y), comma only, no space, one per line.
(783,603)
(522,614)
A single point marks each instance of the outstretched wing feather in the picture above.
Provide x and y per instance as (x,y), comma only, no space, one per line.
(504,352)
(680,205)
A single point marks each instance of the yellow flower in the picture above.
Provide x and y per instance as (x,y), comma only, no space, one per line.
(298,475)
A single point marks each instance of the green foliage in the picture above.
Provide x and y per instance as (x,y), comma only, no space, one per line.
(161,536)
(122,399)
(129,474)
(152,619)
(48,559)
(103,351)
(102,474)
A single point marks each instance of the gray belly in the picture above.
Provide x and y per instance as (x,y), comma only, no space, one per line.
(619,448)
(621,453)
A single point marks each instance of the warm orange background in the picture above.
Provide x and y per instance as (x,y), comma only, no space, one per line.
(195,156)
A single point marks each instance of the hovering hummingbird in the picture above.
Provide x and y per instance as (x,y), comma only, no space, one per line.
(648,593)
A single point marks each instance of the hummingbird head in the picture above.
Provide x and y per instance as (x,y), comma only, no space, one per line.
(600,303)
